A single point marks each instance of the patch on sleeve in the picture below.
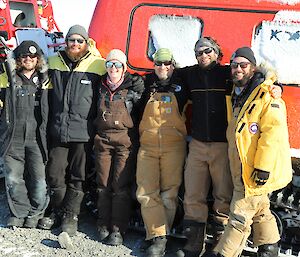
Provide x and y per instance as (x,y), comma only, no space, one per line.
(275,105)
(253,128)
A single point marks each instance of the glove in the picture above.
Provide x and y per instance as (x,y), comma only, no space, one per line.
(137,83)
(260,177)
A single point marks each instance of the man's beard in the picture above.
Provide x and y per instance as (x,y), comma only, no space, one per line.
(77,56)
(242,82)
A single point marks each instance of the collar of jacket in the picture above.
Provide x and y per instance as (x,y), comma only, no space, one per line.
(125,84)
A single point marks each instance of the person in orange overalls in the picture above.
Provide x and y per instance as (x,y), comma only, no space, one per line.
(162,151)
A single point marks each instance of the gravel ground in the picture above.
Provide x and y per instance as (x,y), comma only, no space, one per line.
(22,242)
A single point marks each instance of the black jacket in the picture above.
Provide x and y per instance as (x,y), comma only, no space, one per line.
(10,81)
(72,99)
(208,88)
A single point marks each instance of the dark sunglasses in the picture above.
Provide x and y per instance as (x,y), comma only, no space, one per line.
(166,63)
(205,51)
(118,65)
(243,65)
(28,55)
(78,40)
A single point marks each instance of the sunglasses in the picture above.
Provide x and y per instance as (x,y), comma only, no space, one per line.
(118,65)
(243,65)
(24,56)
(205,51)
(78,40)
(166,63)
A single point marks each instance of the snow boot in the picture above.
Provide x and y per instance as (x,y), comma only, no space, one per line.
(103,232)
(115,238)
(53,219)
(71,210)
(268,250)
(195,234)
(15,222)
(157,247)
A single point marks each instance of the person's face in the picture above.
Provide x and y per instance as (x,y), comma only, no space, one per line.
(163,70)
(241,70)
(28,61)
(76,47)
(205,56)
(115,70)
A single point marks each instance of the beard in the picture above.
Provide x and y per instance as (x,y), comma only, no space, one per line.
(242,82)
(78,55)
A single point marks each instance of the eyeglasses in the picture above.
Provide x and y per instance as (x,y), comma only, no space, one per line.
(118,65)
(24,56)
(166,63)
(205,51)
(243,65)
(78,40)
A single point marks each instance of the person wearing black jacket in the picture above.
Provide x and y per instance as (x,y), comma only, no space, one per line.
(115,146)
(207,165)
(23,120)
(162,151)
(75,75)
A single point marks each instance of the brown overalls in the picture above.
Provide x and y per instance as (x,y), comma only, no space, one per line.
(113,161)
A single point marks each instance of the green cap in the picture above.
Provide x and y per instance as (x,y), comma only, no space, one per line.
(162,55)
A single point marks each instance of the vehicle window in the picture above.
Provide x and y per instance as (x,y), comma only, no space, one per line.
(22,14)
(178,33)
(278,42)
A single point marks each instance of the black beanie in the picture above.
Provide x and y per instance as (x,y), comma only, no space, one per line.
(245,52)
(77,29)
(28,47)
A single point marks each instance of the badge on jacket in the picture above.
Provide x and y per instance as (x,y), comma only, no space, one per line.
(253,128)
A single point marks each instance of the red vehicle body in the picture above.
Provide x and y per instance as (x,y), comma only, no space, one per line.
(126,25)
(29,19)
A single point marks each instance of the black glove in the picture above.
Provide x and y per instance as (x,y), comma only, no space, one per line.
(137,83)
(260,177)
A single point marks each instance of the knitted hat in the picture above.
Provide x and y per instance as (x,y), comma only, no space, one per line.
(208,43)
(28,47)
(162,55)
(245,52)
(117,54)
(77,29)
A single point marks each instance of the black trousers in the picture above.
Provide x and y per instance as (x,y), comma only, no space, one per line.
(67,164)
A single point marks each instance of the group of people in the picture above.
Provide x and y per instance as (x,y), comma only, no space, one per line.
(54,115)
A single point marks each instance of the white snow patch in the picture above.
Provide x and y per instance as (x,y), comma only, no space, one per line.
(288,2)
(179,34)
(278,43)
(295,153)
(287,16)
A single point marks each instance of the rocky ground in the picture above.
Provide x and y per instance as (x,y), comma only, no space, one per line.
(21,242)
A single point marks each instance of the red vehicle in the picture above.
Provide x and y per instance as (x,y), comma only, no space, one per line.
(29,19)
(140,28)
(270,27)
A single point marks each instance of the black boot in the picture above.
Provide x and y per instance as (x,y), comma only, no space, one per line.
(195,234)
(71,209)
(121,209)
(104,212)
(54,216)
(115,238)
(268,250)
(157,247)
